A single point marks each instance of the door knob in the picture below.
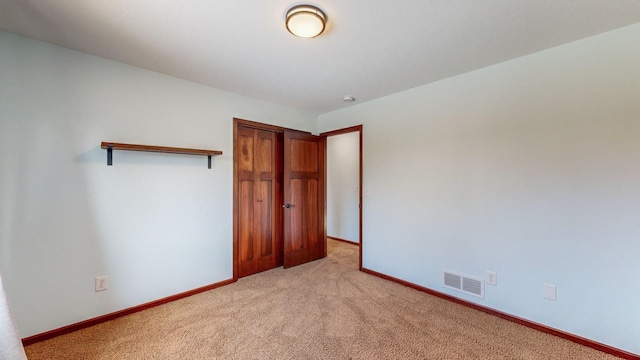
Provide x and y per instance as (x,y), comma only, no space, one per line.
(259,200)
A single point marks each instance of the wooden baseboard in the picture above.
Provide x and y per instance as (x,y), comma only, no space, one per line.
(343,240)
(100,319)
(549,330)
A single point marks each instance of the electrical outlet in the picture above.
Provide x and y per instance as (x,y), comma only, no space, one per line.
(492,278)
(102,283)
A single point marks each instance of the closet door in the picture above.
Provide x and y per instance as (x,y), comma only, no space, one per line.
(258,232)
(304,197)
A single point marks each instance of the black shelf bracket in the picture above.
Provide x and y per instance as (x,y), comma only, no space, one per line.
(209,161)
(109,155)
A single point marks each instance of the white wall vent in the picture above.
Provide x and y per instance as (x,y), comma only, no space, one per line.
(463,283)
(452,280)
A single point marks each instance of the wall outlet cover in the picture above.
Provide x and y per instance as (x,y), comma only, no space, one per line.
(492,278)
(102,283)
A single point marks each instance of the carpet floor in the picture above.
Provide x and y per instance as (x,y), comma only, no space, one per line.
(326,309)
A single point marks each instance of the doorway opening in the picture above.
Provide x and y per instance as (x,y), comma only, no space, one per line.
(342,206)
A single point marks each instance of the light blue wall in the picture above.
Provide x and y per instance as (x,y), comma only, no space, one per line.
(156,224)
(343,184)
(530,168)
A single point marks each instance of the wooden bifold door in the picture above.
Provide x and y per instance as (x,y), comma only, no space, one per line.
(279,197)
(304,197)
(259,198)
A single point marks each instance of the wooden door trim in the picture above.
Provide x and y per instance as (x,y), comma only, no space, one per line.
(260,126)
(351,129)
(342,131)
(235,249)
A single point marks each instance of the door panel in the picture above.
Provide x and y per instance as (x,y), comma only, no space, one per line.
(257,178)
(245,232)
(304,196)
(266,226)
(265,176)
(296,222)
(306,158)
(311,216)
(246,153)
(265,153)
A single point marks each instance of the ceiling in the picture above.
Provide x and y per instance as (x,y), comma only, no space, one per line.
(371,48)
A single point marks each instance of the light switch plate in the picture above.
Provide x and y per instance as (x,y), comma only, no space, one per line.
(549,292)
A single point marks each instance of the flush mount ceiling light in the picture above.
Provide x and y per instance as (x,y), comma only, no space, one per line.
(306,21)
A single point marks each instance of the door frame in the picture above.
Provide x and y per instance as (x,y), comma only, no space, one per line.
(351,129)
(254,125)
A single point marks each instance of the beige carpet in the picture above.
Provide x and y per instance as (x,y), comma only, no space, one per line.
(322,310)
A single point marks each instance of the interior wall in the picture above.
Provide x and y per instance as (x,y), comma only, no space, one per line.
(343,184)
(156,224)
(529,168)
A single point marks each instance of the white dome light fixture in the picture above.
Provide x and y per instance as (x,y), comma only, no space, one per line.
(306,21)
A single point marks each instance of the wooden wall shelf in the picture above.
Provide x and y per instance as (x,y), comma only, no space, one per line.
(110,146)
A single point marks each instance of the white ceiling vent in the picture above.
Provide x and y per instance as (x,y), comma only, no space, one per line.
(463,283)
